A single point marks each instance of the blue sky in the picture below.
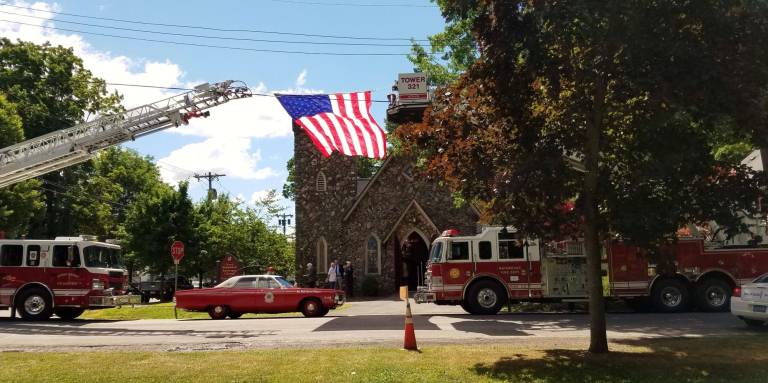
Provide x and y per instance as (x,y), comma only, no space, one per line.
(249,140)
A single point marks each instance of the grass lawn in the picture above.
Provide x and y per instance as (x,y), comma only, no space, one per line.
(734,359)
(165,311)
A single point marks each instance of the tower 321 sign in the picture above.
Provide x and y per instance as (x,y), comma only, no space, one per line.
(412,88)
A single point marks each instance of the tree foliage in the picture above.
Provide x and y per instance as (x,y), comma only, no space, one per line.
(618,106)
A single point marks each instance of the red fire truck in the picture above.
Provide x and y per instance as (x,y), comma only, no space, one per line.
(498,266)
(63,276)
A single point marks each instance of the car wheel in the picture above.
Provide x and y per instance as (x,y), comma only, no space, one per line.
(713,294)
(670,296)
(754,323)
(218,312)
(486,298)
(68,313)
(312,307)
(34,304)
(235,315)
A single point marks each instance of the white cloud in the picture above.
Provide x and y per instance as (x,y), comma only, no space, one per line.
(258,196)
(110,67)
(302,79)
(231,156)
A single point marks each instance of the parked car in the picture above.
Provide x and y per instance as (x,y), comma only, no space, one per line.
(162,289)
(259,294)
(750,302)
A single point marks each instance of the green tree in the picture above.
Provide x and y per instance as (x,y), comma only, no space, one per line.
(52,90)
(153,222)
(619,106)
(18,203)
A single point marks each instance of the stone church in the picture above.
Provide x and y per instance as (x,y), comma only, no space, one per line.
(383,225)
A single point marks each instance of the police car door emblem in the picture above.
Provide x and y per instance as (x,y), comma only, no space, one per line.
(269,297)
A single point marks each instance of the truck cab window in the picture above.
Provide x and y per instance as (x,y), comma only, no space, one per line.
(66,256)
(33,255)
(436,255)
(11,255)
(511,249)
(485,250)
(459,251)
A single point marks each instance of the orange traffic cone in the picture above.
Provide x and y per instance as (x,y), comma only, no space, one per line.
(410,336)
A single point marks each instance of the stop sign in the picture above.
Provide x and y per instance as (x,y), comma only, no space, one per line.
(177,251)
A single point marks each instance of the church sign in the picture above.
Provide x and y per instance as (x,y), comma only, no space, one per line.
(228,267)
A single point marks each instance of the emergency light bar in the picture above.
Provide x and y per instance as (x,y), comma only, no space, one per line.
(450,233)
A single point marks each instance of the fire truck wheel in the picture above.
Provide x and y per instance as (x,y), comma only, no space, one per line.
(486,298)
(312,307)
(465,306)
(34,304)
(713,294)
(68,313)
(218,312)
(670,296)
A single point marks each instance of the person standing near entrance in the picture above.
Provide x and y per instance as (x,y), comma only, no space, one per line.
(332,276)
(348,282)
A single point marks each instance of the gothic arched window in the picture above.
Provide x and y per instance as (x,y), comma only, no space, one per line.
(373,255)
(322,255)
(320,183)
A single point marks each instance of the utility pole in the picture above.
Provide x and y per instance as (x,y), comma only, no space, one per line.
(285,221)
(211,177)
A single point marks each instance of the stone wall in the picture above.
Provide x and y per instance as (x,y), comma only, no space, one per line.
(386,210)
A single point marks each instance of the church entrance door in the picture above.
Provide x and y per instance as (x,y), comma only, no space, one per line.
(415,253)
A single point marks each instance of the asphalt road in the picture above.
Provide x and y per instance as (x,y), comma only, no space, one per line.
(364,323)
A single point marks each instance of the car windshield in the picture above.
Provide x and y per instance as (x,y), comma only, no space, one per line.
(99,256)
(228,283)
(283,282)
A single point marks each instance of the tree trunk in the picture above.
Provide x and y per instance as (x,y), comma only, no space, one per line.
(598,340)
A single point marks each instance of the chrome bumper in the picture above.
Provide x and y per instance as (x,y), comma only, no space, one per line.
(423,295)
(112,301)
(340,299)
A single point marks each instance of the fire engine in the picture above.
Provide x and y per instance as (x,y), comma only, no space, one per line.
(499,266)
(64,276)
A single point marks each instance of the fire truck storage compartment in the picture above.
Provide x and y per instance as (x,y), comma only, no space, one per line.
(564,276)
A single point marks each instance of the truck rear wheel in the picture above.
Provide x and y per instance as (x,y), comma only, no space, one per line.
(35,304)
(713,294)
(465,306)
(485,298)
(670,296)
(68,313)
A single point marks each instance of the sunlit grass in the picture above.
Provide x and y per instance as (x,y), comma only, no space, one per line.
(714,359)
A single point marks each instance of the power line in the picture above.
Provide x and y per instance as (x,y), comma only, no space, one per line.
(218,29)
(209,36)
(339,4)
(207,45)
(188,89)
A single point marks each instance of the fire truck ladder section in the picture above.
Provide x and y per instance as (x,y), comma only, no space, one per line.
(62,148)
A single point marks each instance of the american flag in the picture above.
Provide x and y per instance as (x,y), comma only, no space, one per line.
(338,122)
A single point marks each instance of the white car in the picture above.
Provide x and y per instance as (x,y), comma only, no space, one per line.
(750,302)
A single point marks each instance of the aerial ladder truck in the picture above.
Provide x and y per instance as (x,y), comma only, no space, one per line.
(65,147)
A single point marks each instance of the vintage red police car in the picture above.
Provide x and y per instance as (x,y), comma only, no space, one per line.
(258,294)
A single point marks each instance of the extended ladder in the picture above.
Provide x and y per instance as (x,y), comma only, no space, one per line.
(62,148)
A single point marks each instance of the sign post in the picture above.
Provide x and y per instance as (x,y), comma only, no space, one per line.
(177,252)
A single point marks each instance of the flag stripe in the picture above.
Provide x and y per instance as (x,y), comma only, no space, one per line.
(338,122)
(315,135)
